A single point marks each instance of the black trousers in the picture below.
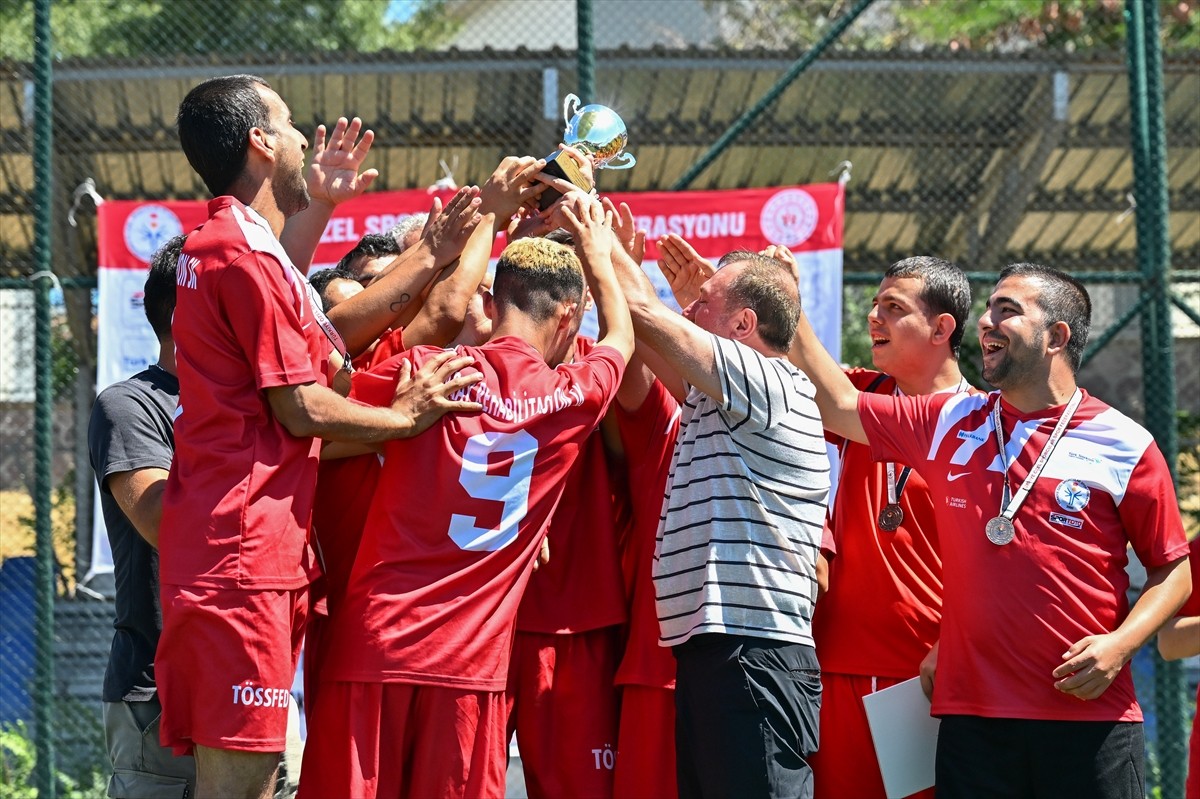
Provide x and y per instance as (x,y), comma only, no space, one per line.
(983,758)
(746,714)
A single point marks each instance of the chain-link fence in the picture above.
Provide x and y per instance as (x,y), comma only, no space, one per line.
(1015,153)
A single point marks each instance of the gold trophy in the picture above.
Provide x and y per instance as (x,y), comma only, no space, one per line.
(594,130)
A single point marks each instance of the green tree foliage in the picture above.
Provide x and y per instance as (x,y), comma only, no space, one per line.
(141,28)
(988,25)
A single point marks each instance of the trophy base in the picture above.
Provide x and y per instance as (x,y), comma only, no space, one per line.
(562,165)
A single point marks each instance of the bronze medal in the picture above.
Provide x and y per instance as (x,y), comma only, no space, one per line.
(891,517)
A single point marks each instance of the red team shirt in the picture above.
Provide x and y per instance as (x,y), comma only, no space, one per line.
(1011,611)
(436,584)
(239,496)
(580,588)
(345,488)
(389,345)
(883,608)
(648,436)
(1192,608)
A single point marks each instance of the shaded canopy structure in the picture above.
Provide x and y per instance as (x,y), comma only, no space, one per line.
(982,159)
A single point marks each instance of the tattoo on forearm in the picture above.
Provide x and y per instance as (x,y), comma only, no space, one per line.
(399,304)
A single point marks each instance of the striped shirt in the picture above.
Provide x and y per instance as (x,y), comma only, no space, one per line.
(745,505)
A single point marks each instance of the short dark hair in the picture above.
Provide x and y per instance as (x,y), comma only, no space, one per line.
(1062,299)
(321,279)
(766,287)
(372,245)
(158,296)
(534,275)
(214,123)
(944,289)
(561,236)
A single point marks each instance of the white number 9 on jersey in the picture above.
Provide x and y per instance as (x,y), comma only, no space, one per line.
(512,489)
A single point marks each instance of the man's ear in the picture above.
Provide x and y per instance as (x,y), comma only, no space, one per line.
(943,329)
(1057,337)
(566,317)
(489,306)
(262,143)
(745,323)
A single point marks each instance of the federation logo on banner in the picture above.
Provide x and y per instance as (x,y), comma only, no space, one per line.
(148,228)
(789,217)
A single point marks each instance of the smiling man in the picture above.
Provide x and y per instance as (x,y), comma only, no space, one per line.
(880,617)
(1041,488)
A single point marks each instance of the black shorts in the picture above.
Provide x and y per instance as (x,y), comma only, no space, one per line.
(746,715)
(983,758)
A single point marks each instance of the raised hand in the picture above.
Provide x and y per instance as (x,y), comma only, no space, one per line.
(333,175)
(528,224)
(683,267)
(512,186)
(785,257)
(589,224)
(586,165)
(632,240)
(448,228)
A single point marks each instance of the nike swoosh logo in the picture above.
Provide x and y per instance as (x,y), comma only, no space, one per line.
(951,476)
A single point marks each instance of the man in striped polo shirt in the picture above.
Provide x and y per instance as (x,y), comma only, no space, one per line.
(735,560)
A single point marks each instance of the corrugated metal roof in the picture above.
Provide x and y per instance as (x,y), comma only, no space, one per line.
(969,157)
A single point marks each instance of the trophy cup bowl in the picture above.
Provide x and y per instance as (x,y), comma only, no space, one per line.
(594,130)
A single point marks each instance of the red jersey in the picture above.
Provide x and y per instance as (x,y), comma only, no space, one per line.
(884,605)
(1192,608)
(458,517)
(345,488)
(389,345)
(648,435)
(580,588)
(1011,611)
(239,497)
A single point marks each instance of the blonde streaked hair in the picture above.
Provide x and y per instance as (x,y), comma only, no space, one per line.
(535,275)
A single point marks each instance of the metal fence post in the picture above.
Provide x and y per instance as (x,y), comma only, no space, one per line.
(1154,257)
(586,51)
(44,412)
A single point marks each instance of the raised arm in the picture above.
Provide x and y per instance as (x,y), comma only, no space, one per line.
(591,226)
(440,318)
(362,318)
(675,349)
(837,398)
(332,178)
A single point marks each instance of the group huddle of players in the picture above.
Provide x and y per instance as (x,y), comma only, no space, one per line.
(465,508)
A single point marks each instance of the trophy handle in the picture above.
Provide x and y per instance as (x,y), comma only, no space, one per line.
(570,106)
(622,161)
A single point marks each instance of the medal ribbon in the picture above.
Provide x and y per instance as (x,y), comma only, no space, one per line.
(1009,507)
(896,487)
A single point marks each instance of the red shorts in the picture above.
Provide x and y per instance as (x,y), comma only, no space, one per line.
(224,668)
(316,639)
(563,707)
(393,740)
(846,765)
(646,763)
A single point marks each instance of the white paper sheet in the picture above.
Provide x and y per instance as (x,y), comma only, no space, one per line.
(905,737)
